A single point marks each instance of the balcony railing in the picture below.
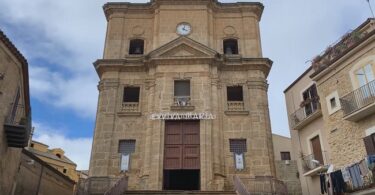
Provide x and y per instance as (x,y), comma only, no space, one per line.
(259,185)
(182,101)
(17,126)
(236,106)
(130,106)
(311,162)
(299,117)
(358,98)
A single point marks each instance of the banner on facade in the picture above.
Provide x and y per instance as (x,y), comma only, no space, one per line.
(183,116)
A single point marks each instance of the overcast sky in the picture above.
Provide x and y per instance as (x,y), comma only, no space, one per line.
(62,38)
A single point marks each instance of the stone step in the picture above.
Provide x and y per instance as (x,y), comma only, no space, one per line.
(172,192)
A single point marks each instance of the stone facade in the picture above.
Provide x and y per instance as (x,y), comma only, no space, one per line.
(13,80)
(197,57)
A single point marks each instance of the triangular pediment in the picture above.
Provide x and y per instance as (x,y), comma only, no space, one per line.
(183,47)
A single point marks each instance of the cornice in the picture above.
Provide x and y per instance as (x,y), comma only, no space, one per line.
(238,64)
(125,7)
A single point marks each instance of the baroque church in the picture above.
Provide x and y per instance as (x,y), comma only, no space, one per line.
(182,96)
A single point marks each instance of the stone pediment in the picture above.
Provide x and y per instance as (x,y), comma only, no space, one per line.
(183,47)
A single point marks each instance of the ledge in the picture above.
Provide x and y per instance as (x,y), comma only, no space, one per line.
(244,112)
(189,108)
(315,171)
(129,114)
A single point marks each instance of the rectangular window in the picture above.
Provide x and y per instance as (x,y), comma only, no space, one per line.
(238,148)
(235,93)
(126,148)
(182,88)
(285,155)
(365,75)
(131,94)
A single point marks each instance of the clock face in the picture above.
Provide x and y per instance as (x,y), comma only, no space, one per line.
(183,29)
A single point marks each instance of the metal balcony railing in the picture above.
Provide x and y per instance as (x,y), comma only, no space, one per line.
(311,162)
(358,98)
(236,105)
(303,113)
(17,126)
(130,106)
(259,185)
(182,101)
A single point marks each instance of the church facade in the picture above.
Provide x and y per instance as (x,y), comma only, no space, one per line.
(182,96)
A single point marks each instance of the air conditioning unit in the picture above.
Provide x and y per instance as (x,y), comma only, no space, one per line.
(287,162)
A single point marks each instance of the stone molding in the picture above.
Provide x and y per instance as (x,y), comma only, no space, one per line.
(257,83)
(106,84)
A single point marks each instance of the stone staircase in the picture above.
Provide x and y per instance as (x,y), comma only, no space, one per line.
(180,192)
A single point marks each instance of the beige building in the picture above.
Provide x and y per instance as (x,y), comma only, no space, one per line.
(182,96)
(286,163)
(56,158)
(331,107)
(15,112)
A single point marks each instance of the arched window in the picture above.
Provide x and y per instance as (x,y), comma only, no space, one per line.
(136,47)
(230,46)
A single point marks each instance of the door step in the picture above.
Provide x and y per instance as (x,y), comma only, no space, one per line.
(172,192)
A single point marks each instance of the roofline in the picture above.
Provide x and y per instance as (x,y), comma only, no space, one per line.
(25,69)
(34,157)
(281,136)
(39,143)
(299,78)
(368,21)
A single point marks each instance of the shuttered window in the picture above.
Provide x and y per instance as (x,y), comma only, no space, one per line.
(369,144)
(238,146)
(126,147)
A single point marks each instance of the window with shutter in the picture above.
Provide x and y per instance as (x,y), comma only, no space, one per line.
(369,144)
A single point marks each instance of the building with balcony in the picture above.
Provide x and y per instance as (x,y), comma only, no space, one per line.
(182,96)
(307,132)
(331,106)
(15,112)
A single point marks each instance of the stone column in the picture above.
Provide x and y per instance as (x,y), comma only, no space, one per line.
(261,127)
(104,127)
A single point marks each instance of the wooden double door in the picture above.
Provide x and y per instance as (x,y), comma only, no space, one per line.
(181,149)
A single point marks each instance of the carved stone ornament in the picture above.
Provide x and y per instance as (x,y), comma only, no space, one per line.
(137,31)
(229,30)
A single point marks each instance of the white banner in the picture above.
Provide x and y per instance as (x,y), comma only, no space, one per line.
(239,161)
(183,116)
(124,162)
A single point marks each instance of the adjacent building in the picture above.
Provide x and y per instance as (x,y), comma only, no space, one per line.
(56,158)
(182,96)
(15,112)
(286,163)
(331,107)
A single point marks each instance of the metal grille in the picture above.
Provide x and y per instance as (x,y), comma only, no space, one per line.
(126,147)
(238,146)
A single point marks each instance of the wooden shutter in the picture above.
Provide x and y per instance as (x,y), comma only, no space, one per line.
(191,151)
(285,155)
(317,149)
(369,144)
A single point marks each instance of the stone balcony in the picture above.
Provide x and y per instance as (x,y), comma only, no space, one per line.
(359,103)
(130,109)
(182,103)
(236,108)
(303,116)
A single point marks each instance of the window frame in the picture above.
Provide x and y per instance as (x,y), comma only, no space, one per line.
(133,41)
(129,87)
(282,155)
(242,93)
(235,48)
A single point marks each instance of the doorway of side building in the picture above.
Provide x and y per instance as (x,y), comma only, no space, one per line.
(181,156)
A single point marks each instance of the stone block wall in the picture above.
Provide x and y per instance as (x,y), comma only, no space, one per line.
(288,173)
